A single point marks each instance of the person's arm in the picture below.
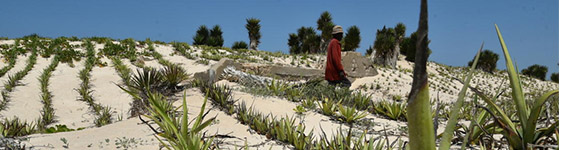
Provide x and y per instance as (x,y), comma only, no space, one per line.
(337,61)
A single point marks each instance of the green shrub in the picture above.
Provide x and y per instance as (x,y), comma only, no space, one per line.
(487,62)
(554,77)
(536,71)
(239,45)
(352,39)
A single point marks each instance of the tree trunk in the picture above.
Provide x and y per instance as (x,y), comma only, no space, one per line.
(324,45)
(253,44)
(389,58)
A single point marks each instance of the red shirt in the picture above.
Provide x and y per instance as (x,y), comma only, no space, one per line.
(334,64)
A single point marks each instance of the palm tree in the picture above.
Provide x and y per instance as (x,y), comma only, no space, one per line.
(387,46)
(487,61)
(536,71)
(352,39)
(309,39)
(253,28)
(294,44)
(216,39)
(325,25)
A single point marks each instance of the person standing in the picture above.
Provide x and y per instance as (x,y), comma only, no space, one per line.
(334,72)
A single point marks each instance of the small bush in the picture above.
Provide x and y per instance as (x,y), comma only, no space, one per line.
(239,45)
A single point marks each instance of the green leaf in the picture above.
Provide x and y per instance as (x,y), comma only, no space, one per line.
(449,129)
(517,92)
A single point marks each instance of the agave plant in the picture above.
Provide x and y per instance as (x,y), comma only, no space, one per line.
(451,126)
(361,101)
(278,88)
(392,110)
(299,109)
(147,79)
(15,127)
(175,129)
(328,107)
(349,114)
(522,134)
(173,75)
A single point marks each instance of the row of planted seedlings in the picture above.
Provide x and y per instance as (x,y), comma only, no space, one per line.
(16,127)
(47,113)
(63,52)
(10,55)
(103,113)
(288,130)
(183,49)
(14,79)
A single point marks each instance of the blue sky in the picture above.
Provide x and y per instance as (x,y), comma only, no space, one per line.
(456,28)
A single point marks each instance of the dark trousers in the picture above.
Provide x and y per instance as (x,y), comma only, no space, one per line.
(344,82)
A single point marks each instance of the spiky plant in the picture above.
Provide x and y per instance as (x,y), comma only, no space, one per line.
(253,28)
(15,127)
(360,100)
(522,134)
(392,110)
(173,75)
(328,107)
(446,138)
(350,114)
(175,129)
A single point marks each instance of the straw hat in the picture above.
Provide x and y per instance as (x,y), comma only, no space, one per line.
(337,29)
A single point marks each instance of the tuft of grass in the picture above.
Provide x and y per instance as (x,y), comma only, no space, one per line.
(15,128)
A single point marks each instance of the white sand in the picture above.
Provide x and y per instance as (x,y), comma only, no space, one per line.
(68,109)
(190,65)
(21,63)
(107,93)
(26,97)
(95,138)
(74,113)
